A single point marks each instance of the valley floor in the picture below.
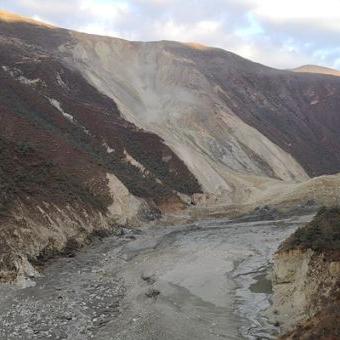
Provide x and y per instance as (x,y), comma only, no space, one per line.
(207,280)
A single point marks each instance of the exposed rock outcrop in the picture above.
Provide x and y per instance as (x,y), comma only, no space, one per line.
(306,280)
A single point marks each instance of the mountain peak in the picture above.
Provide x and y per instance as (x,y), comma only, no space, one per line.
(317,69)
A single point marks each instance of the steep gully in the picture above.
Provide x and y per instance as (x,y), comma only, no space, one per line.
(206,280)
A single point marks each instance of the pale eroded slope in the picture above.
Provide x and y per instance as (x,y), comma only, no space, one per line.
(166,93)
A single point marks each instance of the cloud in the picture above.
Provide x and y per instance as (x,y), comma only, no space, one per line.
(279,33)
(324,14)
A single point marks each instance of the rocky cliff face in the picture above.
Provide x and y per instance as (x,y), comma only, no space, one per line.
(303,282)
(306,280)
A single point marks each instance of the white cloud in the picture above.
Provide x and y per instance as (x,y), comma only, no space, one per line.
(38,18)
(103,18)
(43,8)
(104,10)
(280,33)
(200,31)
(316,10)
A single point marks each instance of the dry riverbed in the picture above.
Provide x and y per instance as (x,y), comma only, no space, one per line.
(207,280)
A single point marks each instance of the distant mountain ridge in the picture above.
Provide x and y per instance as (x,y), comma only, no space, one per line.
(317,69)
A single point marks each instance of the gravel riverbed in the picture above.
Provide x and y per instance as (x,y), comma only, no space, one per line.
(203,281)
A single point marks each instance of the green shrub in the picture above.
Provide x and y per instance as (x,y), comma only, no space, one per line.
(322,233)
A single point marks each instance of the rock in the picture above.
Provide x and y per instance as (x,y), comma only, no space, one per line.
(150,279)
(311,203)
(266,213)
(152,293)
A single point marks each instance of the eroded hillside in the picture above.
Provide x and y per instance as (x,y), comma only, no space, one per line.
(68,157)
(98,131)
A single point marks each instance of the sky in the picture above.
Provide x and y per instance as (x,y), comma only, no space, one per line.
(278,33)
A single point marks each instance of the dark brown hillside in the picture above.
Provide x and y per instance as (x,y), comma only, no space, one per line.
(84,125)
(29,51)
(25,174)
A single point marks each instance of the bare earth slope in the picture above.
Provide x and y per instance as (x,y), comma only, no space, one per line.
(163,91)
(213,99)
